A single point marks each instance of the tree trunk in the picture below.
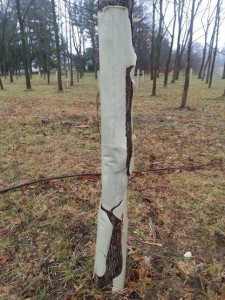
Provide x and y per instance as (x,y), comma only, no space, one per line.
(30,70)
(211,51)
(171,48)
(188,68)
(203,58)
(58,51)
(217,26)
(23,39)
(213,59)
(10,74)
(9,63)
(48,77)
(5,72)
(156,51)
(180,20)
(71,55)
(152,41)
(1,84)
(116,57)
(209,66)
(205,67)
(223,76)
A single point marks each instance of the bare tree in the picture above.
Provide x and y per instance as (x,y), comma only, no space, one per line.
(210,54)
(180,14)
(58,51)
(91,27)
(217,26)
(71,53)
(194,10)
(6,36)
(157,48)
(77,19)
(206,32)
(21,19)
(172,35)
(153,39)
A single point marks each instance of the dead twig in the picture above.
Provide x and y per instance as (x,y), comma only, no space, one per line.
(185,168)
(147,243)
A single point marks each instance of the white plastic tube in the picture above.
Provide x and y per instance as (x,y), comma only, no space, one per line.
(116,55)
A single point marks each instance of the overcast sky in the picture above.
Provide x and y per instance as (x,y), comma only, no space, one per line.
(198,31)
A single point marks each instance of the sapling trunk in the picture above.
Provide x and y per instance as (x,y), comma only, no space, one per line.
(117,58)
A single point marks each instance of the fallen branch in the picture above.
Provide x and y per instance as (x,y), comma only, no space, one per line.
(182,168)
(47,179)
(186,168)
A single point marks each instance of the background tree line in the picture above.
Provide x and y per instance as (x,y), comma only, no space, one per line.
(47,35)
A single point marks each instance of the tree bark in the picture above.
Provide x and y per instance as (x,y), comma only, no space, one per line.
(203,58)
(58,51)
(23,39)
(1,84)
(223,76)
(209,65)
(205,67)
(117,57)
(9,63)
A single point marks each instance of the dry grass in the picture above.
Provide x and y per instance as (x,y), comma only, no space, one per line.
(47,231)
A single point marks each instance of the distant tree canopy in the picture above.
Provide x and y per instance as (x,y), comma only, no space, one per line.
(37,20)
(77,17)
(160,38)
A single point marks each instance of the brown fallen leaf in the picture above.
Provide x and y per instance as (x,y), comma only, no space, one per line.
(135,255)
(4,259)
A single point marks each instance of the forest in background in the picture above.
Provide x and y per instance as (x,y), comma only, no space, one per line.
(49,35)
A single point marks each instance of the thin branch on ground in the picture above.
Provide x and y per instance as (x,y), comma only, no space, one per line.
(40,180)
(147,243)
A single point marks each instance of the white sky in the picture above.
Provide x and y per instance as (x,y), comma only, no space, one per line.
(198,30)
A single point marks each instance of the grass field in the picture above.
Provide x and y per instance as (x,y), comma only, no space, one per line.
(48,230)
